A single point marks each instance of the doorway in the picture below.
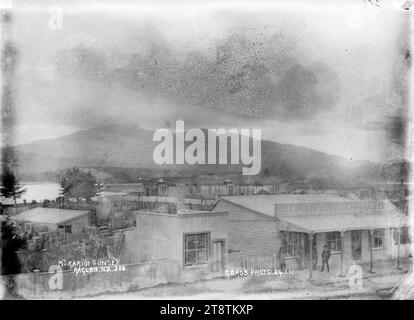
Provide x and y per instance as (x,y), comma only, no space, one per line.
(306,244)
(356,238)
(218,255)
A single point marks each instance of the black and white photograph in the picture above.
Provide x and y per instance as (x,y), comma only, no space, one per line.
(206,150)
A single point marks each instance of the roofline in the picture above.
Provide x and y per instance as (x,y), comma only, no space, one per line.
(342,229)
(36,222)
(185,215)
(123,230)
(301,229)
(202,214)
(338,228)
(244,207)
(56,223)
(74,218)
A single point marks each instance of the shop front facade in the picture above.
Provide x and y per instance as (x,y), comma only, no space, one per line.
(355,231)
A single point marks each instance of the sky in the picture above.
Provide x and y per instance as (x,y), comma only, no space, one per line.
(331,76)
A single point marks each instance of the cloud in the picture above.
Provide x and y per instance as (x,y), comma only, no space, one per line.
(82,62)
(241,73)
(304,71)
(305,93)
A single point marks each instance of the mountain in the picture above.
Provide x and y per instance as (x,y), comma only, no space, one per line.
(130,147)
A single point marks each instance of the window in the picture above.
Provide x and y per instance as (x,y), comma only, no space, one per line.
(333,239)
(196,248)
(378,239)
(404,236)
(68,229)
(290,243)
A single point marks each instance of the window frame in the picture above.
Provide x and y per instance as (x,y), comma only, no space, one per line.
(378,234)
(185,250)
(292,241)
(405,236)
(337,240)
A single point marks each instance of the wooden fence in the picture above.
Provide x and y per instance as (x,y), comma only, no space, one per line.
(37,285)
(106,208)
(249,262)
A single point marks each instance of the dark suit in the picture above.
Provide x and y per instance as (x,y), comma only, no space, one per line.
(326,254)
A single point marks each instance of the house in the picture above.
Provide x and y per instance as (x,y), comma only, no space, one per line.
(53,219)
(196,239)
(107,205)
(355,230)
(212,187)
(132,189)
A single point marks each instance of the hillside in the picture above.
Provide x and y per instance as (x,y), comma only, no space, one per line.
(131,147)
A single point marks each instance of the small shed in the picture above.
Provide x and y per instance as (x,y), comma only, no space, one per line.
(197,239)
(72,221)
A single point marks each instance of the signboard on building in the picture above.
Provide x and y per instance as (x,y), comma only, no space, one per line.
(325,208)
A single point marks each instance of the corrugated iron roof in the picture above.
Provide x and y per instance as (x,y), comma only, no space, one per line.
(389,217)
(49,215)
(265,204)
(346,222)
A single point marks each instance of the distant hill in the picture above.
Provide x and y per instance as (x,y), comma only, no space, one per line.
(129,149)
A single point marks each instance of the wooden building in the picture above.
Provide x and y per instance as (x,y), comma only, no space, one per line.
(53,219)
(197,239)
(360,231)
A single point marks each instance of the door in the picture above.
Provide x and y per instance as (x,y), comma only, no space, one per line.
(356,238)
(306,244)
(218,255)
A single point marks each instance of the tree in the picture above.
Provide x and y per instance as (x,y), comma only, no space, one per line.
(10,186)
(11,244)
(78,184)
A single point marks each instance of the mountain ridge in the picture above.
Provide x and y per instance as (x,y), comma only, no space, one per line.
(130,146)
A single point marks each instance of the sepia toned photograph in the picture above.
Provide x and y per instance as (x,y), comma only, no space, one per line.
(206,150)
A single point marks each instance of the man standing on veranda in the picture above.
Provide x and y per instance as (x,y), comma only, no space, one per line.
(326,254)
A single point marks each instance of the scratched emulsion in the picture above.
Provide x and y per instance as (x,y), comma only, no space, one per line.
(8,65)
(397,121)
(10,261)
(8,61)
(81,101)
(253,70)
(258,66)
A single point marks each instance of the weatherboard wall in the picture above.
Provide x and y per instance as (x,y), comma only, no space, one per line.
(249,232)
(161,236)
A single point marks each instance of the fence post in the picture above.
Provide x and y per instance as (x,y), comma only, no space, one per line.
(35,280)
(74,284)
(43,287)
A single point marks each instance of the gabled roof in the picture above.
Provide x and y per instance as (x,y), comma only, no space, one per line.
(265,204)
(236,179)
(126,198)
(388,217)
(49,215)
(346,222)
(123,187)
